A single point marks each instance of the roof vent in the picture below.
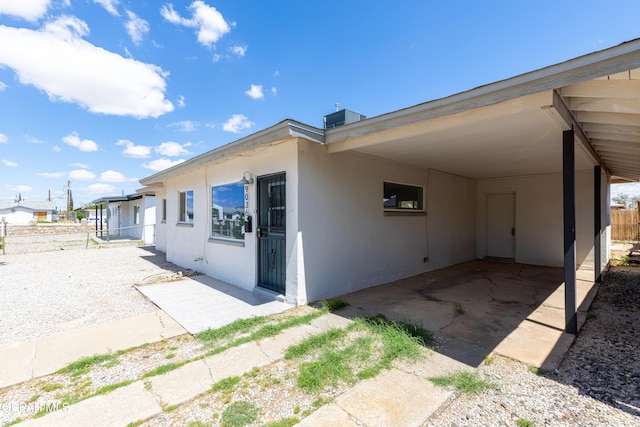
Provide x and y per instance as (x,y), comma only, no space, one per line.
(342,117)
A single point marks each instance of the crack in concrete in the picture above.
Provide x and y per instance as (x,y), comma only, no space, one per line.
(159,316)
(208,369)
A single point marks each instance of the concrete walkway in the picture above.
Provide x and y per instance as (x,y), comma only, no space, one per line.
(402,396)
(201,302)
(32,359)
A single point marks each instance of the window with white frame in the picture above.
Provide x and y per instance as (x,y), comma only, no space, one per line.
(186,207)
(402,197)
(136,214)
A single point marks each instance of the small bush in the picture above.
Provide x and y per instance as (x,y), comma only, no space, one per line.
(239,414)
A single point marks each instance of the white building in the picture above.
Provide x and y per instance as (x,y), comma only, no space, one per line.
(132,216)
(519,169)
(25,211)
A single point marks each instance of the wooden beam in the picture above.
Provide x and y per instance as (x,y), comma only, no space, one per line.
(618,129)
(622,89)
(614,138)
(605,105)
(560,106)
(608,118)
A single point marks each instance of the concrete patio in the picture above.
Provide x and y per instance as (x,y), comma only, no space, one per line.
(482,307)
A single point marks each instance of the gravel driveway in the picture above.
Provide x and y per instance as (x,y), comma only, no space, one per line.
(48,293)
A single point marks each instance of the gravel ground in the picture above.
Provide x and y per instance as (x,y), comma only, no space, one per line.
(597,384)
(48,293)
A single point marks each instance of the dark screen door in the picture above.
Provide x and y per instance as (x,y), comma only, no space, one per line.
(271,231)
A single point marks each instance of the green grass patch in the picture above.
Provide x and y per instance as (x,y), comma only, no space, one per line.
(198,423)
(535,371)
(285,422)
(240,326)
(332,304)
(525,423)
(82,366)
(225,384)
(458,310)
(163,369)
(110,387)
(488,359)
(17,420)
(134,423)
(48,387)
(170,408)
(313,342)
(467,382)
(430,297)
(239,414)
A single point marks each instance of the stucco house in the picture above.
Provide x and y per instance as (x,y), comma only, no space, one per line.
(23,212)
(519,169)
(132,215)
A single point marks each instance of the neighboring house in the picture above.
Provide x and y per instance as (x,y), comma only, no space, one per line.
(133,215)
(519,169)
(25,211)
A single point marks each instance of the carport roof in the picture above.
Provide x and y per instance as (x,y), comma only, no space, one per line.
(508,128)
(513,127)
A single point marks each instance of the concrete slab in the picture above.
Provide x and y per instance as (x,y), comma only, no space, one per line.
(202,302)
(236,361)
(17,362)
(393,398)
(118,408)
(46,355)
(183,384)
(330,415)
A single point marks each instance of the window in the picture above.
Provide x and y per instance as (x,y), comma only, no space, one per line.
(136,214)
(164,209)
(227,211)
(186,207)
(402,197)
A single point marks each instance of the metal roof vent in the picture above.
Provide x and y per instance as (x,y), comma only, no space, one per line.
(342,117)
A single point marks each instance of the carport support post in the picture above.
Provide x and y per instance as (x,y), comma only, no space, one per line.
(569,205)
(597,223)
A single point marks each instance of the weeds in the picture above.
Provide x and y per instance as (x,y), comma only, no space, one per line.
(81,367)
(163,369)
(457,309)
(525,423)
(467,382)
(239,414)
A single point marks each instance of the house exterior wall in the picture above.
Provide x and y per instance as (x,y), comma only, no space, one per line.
(148,219)
(349,243)
(539,217)
(190,246)
(20,215)
(161,225)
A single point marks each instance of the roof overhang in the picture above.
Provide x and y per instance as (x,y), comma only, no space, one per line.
(276,134)
(115,199)
(513,127)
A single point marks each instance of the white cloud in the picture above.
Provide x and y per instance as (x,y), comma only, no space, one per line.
(217,57)
(136,27)
(161,164)
(172,149)
(255,92)
(3,138)
(276,73)
(239,50)
(209,23)
(274,91)
(22,188)
(30,10)
(52,175)
(85,145)
(57,60)
(135,151)
(79,165)
(112,176)
(103,189)
(109,5)
(82,175)
(237,123)
(185,125)
(181,102)
(56,149)
(9,163)
(3,86)
(33,140)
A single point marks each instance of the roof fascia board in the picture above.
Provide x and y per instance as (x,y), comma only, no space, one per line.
(281,131)
(587,67)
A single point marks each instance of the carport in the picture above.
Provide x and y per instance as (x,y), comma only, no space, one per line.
(550,141)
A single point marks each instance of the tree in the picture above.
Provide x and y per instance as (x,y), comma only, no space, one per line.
(629,202)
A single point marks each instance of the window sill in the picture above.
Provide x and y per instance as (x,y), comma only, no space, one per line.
(404,213)
(230,242)
(184,224)
(164,221)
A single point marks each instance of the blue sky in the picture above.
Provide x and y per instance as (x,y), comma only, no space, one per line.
(105,92)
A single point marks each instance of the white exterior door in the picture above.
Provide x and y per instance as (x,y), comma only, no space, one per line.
(501,225)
